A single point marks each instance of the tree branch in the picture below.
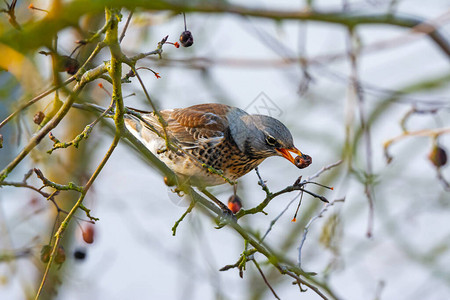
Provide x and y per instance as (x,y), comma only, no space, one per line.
(70,12)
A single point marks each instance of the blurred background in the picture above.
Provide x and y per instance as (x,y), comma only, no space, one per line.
(343,94)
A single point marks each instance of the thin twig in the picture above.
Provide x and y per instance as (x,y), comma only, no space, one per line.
(61,187)
(156,112)
(306,230)
(130,15)
(11,13)
(264,278)
(312,287)
(442,179)
(353,45)
(78,76)
(294,219)
(269,198)
(24,185)
(97,34)
(84,134)
(272,223)
(297,186)
(37,137)
(423,133)
(36,99)
(323,169)
(261,182)
(189,209)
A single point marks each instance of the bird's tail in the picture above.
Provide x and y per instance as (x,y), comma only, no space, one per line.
(98,108)
(134,120)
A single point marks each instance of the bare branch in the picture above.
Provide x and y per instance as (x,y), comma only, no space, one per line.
(189,209)
(306,230)
(264,278)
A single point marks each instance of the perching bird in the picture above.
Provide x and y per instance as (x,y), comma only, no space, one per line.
(225,138)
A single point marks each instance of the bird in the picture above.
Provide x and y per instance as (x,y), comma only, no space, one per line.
(213,143)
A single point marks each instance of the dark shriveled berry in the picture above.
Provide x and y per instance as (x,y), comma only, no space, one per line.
(438,156)
(38,117)
(303,161)
(186,38)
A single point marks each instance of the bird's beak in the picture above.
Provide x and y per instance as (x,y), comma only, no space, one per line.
(285,153)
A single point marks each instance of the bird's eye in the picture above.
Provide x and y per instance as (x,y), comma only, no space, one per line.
(271,141)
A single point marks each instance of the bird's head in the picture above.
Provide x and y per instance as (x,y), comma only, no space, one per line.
(265,136)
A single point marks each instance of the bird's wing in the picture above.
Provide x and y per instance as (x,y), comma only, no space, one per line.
(194,125)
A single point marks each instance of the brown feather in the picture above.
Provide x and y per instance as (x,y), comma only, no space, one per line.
(187,126)
(208,116)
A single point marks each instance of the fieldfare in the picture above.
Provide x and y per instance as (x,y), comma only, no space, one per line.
(216,137)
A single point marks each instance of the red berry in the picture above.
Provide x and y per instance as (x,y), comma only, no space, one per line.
(88,234)
(234,204)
